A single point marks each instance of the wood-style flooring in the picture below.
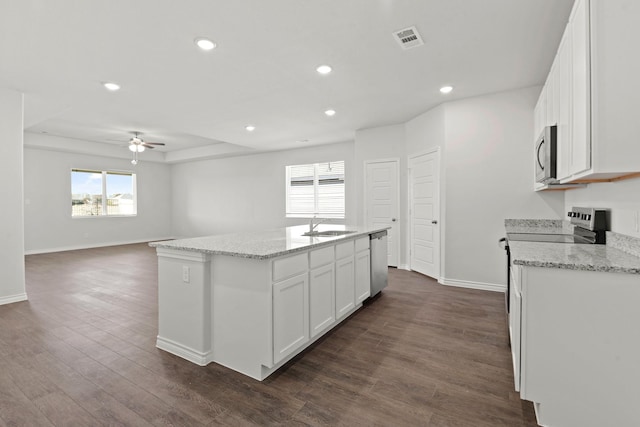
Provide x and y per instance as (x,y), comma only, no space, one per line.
(82,352)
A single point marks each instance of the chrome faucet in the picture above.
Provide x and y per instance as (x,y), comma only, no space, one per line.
(312,226)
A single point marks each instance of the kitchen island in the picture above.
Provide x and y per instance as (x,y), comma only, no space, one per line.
(252,301)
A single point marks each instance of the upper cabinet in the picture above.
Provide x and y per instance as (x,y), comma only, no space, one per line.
(592,93)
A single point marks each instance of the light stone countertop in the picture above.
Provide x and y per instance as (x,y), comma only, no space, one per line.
(264,244)
(612,257)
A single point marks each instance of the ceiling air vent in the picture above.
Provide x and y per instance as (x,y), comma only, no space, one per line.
(408,38)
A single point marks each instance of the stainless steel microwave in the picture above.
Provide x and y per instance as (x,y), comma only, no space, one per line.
(546,155)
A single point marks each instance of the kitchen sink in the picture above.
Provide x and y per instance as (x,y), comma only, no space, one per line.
(326,233)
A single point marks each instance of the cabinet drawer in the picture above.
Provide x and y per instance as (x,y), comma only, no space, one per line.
(290,266)
(321,256)
(344,250)
(362,243)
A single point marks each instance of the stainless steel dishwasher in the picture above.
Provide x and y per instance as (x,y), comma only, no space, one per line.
(379,269)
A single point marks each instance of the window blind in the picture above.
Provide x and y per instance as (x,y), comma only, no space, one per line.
(316,189)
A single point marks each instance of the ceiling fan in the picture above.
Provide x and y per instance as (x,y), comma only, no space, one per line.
(138,145)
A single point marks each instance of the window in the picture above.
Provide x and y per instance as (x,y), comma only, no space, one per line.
(90,188)
(315,189)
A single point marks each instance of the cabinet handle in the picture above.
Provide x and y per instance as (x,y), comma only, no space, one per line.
(434,222)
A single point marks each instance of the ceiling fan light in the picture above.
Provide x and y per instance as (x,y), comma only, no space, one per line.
(140,148)
(133,148)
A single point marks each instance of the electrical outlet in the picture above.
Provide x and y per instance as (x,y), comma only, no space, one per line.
(185,274)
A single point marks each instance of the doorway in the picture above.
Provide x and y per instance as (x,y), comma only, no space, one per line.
(424,213)
(382,202)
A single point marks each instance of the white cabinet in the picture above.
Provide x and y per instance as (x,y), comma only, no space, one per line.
(562,68)
(345,286)
(580,137)
(540,114)
(322,299)
(290,316)
(345,279)
(363,270)
(515,307)
(592,93)
(577,361)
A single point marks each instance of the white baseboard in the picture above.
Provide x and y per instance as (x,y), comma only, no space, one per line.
(494,287)
(92,245)
(13,298)
(183,351)
(403,267)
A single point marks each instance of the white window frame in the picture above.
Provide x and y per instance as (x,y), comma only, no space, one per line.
(316,185)
(104,208)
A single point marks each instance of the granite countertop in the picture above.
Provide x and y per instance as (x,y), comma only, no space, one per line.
(265,244)
(621,254)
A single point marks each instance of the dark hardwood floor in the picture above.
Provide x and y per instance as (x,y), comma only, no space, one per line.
(82,352)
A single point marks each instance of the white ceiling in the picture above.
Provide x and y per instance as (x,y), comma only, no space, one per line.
(263,70)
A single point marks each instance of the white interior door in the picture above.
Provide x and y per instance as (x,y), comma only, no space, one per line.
(382,202)
(424,190)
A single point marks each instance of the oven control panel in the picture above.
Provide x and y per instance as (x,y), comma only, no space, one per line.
(588,218)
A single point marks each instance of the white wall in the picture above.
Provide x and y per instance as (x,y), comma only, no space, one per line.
(12,280)
(426,131)
(622,198)
(387,142)
(47,192)
(488,173)
(247,193)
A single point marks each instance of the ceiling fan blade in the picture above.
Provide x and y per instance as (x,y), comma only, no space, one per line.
(154,143)
(151,147)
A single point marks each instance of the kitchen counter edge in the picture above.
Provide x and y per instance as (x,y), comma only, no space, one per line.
(568,256)
(187,244)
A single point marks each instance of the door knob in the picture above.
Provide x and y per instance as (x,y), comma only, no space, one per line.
(393,220)
(434,222)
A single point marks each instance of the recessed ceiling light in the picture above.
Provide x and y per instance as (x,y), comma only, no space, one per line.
(330,112)
(324,69)
(446,89)
(250,128)
(205,44)
(111,86)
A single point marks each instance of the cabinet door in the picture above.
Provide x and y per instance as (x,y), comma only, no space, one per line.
(563,110)
(540,114)
(345,286)
(551,94)
(290,316)
(363,276)
(580,159)
(515,322)
(322,302)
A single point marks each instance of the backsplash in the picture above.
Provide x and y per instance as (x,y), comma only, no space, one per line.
(541,223)
(538,226)
(628,244)
(620,198)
